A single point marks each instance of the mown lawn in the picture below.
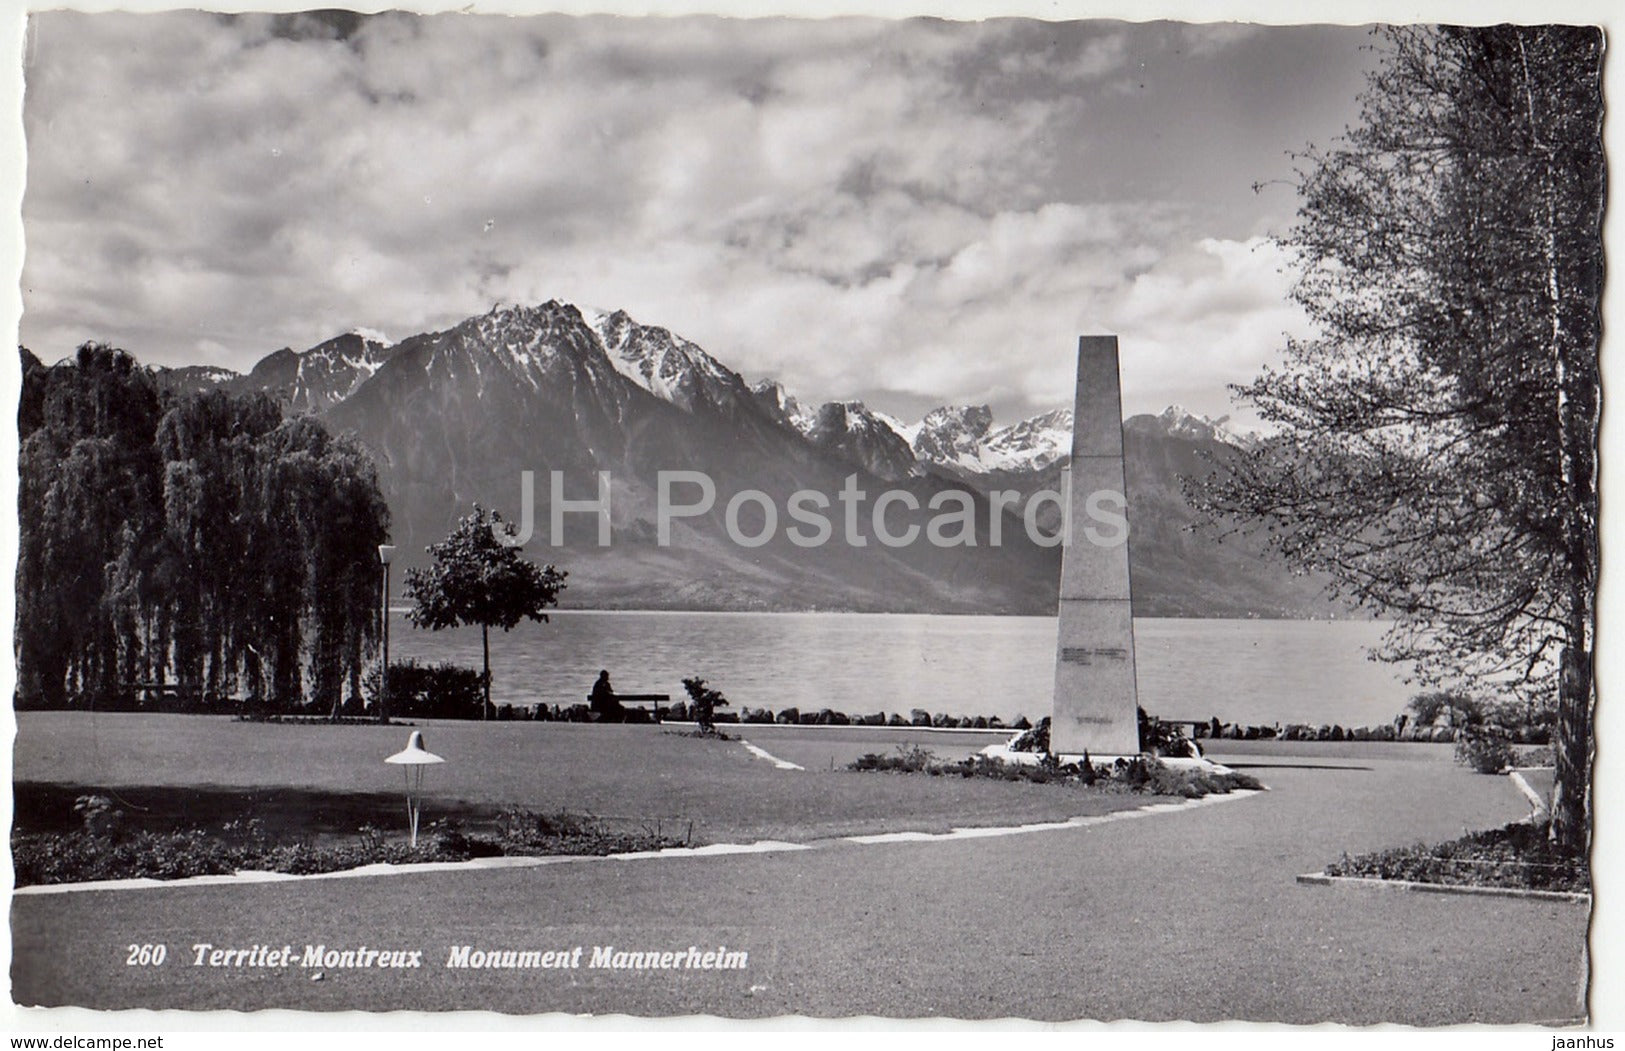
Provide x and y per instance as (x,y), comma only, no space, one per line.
(328,779)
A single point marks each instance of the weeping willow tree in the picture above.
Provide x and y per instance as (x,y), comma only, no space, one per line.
(1435,446)
(199,541)
(87,499)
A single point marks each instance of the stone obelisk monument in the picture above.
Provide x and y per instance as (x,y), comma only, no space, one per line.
(1096,697)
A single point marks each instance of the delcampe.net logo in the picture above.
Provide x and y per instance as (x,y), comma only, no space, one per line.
(811,518)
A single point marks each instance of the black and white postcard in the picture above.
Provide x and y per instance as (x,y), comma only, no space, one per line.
(1041,517)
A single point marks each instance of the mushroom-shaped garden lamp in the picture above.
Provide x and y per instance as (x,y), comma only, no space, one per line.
(412,760)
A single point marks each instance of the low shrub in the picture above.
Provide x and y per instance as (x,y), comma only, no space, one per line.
(1545,755)
(713,734)
(910,759)
(1194,784)
(83,855)
(98,814)
(1516,855)
(1035,739)
(430,691)
(525,832)
(1456,707)
(1141,774)
(1486,751)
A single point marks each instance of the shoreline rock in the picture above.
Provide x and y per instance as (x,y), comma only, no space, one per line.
(920,718)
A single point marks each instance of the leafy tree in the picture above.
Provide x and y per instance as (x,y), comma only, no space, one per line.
(1457,707)
(88,500)
(1436,444)
(478,577)
(211,447)
(321,492)
(196,536)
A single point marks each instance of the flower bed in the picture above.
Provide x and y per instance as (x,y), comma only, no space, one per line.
(1519,855)
(1142,774)
(100,852)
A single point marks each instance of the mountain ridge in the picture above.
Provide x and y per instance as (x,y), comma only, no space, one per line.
(456,416)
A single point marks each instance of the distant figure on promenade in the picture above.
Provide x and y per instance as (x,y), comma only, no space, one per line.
(603,702)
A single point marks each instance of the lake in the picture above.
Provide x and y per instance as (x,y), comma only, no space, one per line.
(1250,671)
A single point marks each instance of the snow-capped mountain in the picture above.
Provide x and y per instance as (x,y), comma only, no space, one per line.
(1031,445)
(536,348)
(314,380)
(783,406)
(850,432)
(190,378)
(964,442)
(953,435)
(457,416)
(1181,424)
(667,366)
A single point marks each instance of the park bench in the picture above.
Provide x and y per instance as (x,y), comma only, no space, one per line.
(651,701)
(171,696)
(160,692)
(1192,725)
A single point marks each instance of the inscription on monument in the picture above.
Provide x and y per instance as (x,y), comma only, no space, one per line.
(1095,692)
(1087,655)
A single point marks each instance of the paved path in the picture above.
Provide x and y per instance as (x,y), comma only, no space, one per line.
(1190,915)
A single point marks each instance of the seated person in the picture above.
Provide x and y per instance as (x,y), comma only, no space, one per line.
(605,708)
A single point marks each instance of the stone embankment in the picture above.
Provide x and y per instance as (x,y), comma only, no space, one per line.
(1397,730)
(678,712)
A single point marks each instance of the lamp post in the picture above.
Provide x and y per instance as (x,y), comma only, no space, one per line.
(386,553)
(412,759)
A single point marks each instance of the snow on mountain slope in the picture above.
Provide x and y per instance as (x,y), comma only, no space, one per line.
(534,345)
(953,435)
(456,416)
(190,378)
(964,440)
(314,380)
(850,431)
(1181,424)
(783,406)
(1030,445)
(667,366)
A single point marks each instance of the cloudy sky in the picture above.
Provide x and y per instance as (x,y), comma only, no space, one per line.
(911,213)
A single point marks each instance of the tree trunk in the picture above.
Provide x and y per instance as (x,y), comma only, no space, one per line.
(1571,795)
(338,706)
(485,645)
(1576,437)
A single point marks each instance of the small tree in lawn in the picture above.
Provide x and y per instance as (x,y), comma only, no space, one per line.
(705,702)
(478,578)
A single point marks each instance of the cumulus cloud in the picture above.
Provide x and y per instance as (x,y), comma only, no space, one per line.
(891,210)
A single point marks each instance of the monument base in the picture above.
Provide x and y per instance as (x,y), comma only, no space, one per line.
(1008,755)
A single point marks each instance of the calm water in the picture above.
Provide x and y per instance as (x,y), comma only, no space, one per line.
(1253,671)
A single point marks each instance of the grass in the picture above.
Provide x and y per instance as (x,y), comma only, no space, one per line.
(318,781)
(1518,855)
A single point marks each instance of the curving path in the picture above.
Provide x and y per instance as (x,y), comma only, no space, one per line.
(1186,915)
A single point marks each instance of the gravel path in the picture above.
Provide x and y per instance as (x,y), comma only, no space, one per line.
(1187,915)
